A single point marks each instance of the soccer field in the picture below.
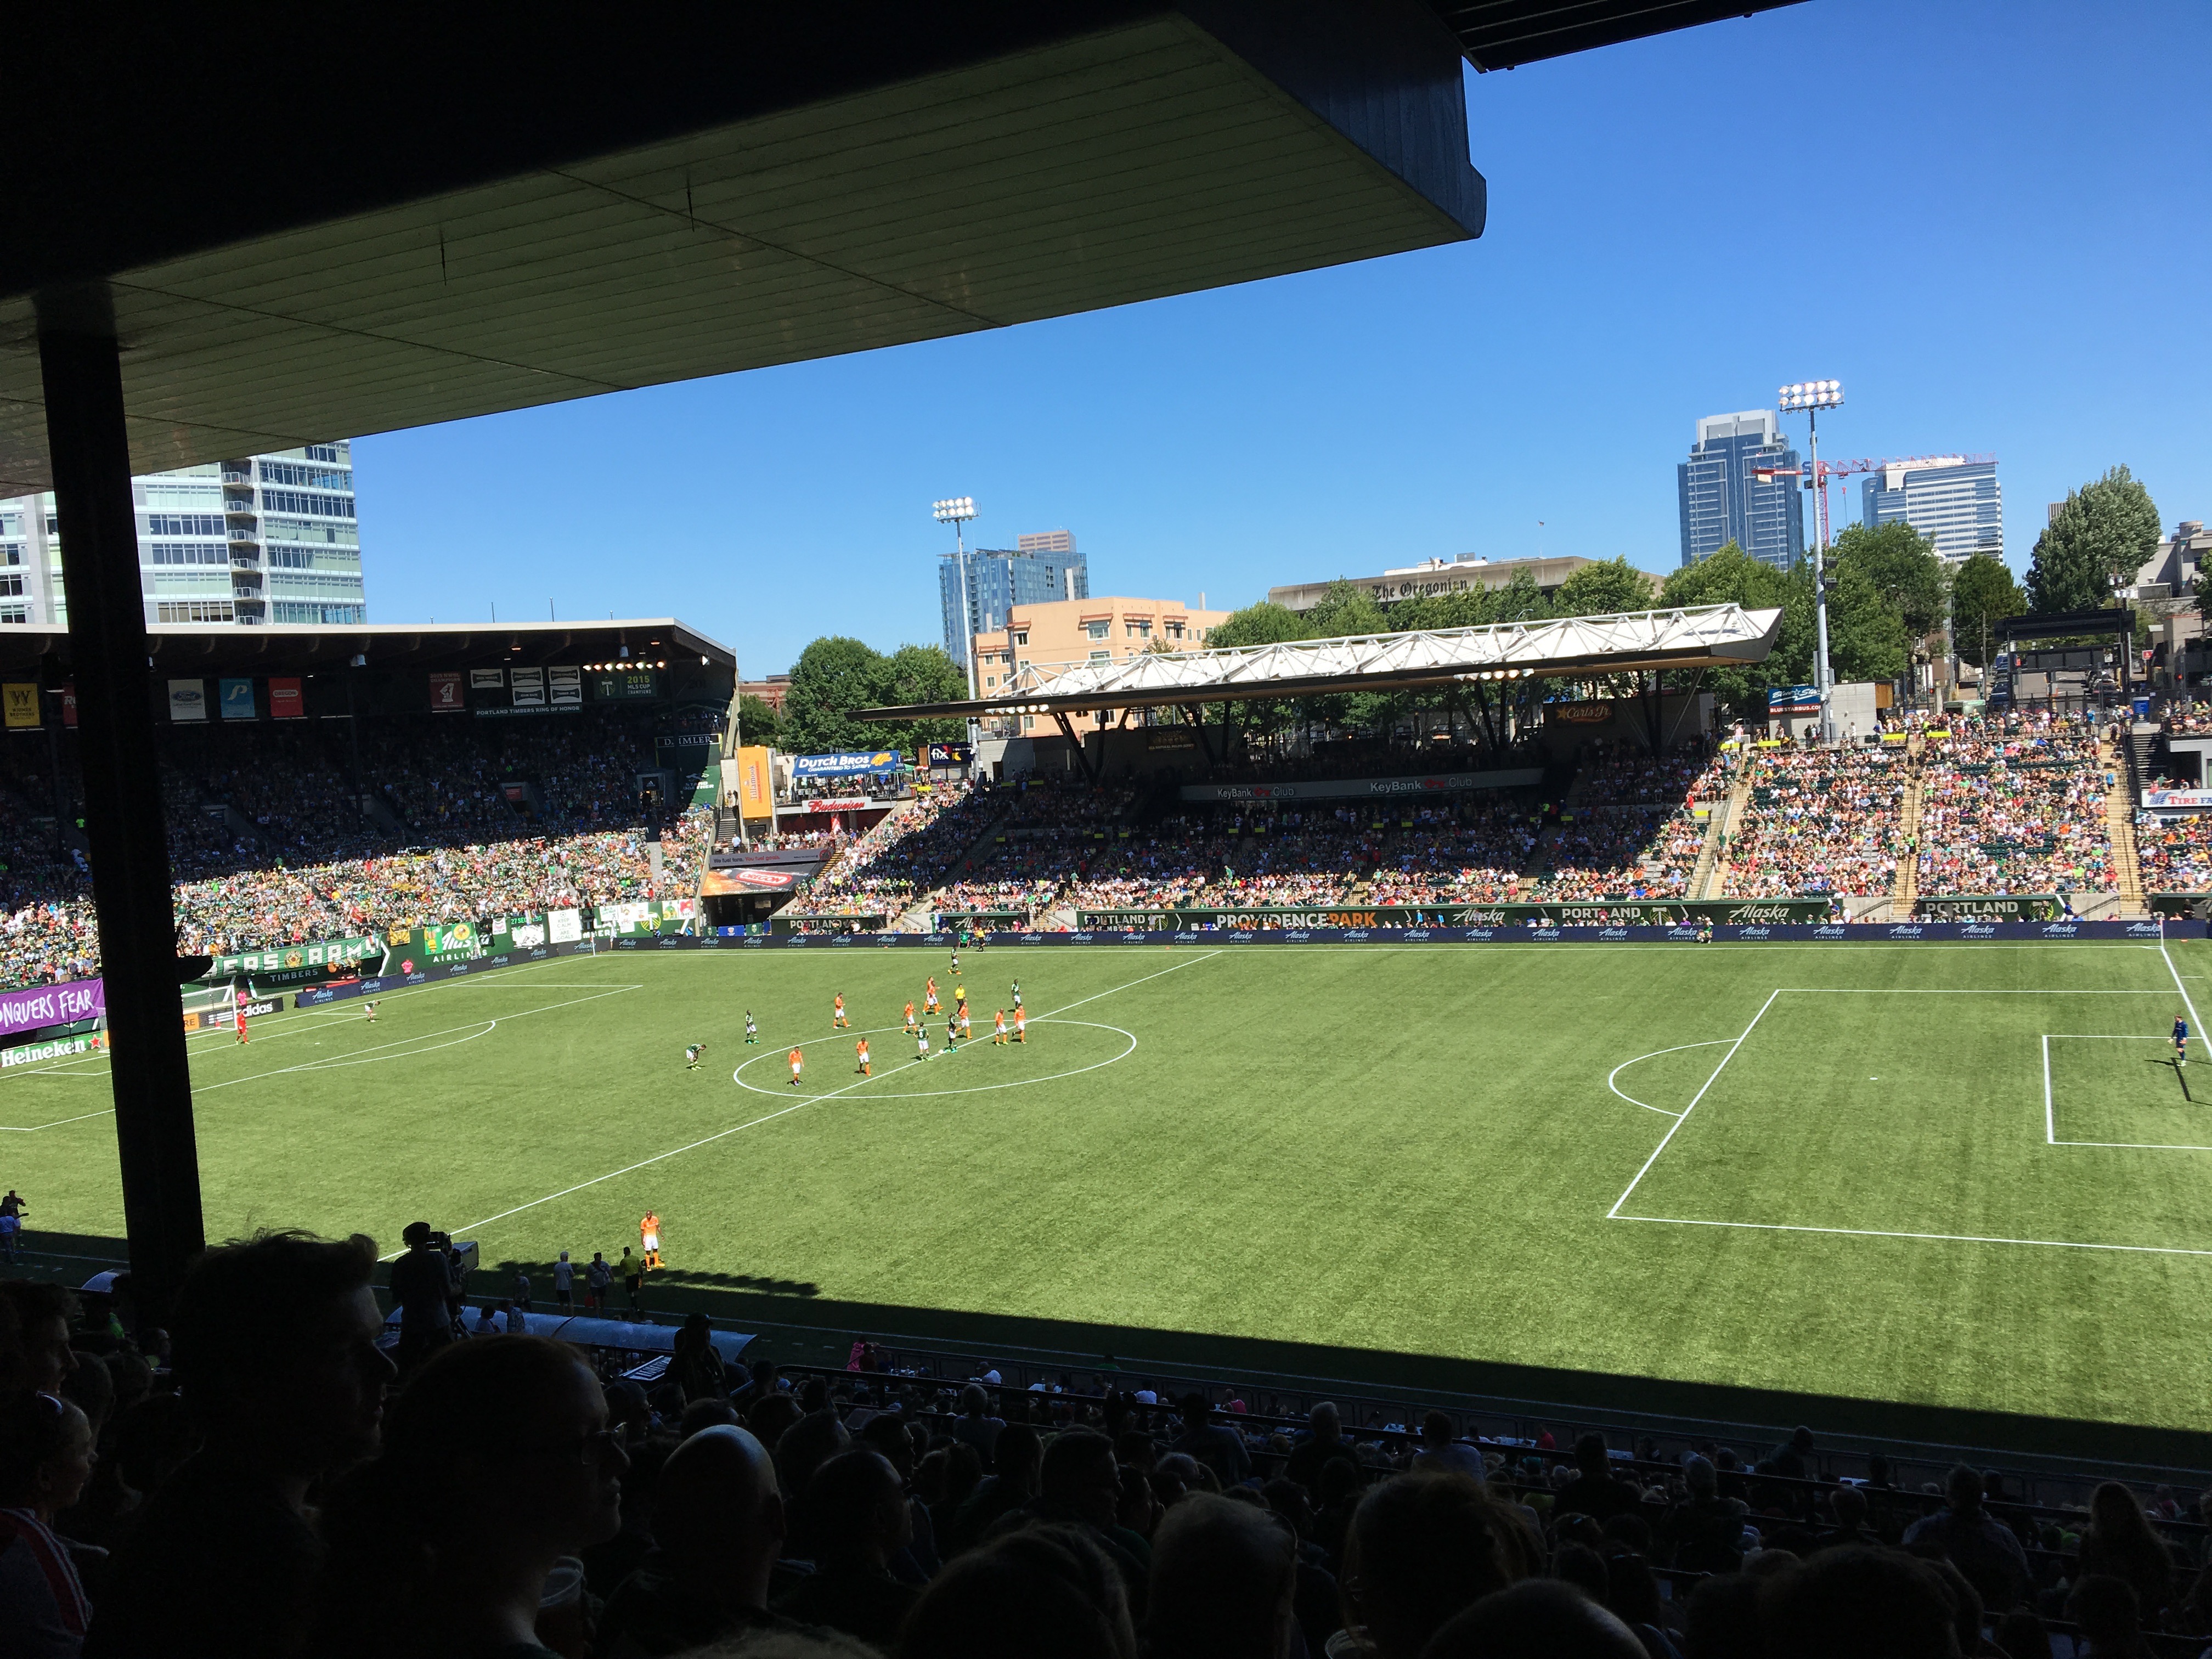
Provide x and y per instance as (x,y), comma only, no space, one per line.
(1961,1175)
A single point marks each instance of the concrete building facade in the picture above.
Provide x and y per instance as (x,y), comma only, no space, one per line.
(1955,502)
(265,539)
(1724,498)
(1058,635)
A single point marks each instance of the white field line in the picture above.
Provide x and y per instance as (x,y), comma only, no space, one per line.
(1678,1049)
(2195,1023)
(2049,1121)
(370,1056)
(475,1227)
(1611,1213)
(1948,1238)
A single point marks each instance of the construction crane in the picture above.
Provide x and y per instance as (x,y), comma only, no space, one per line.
(1827,469)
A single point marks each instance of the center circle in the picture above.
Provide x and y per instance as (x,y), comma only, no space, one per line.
(864,1089)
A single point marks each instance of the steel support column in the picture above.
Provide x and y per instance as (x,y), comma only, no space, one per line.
(91,457)
(1082,759)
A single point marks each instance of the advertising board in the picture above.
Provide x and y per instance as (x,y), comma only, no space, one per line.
(845,763)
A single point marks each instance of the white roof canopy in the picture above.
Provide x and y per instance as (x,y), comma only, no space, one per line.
(1703,636)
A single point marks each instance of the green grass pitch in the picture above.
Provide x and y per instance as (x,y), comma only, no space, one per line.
(1960,1175)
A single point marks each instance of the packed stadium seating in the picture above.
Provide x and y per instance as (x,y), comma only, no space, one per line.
(884,870)
(2016,804)
(1818,821)
(2175,856)
(270,845)
(1037,1511)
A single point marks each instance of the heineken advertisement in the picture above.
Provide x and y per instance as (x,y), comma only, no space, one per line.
(24,1054)
(1614,912)
(1987,906)
(297,964)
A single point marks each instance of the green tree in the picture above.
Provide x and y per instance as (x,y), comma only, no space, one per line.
(920,673)
(1345,611)
(2103,532)
(1866,634)
(758,723)
(1732,576)
(1605,589)
(1903,568)
(833,676)
(1983,595)
(1265,623)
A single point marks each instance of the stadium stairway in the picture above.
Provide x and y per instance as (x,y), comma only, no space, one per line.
(1714,859)
(2120,800)
(1904,892)
(914,919)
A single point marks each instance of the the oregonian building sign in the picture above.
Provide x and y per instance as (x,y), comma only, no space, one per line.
(1433,577)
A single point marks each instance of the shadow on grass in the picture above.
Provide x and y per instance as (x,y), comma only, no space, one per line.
(796,1322)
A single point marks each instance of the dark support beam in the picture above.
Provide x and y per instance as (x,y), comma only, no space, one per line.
(1195,713)
(1067,730)
(80,366)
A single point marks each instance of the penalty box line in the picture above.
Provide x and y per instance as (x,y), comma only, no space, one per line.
(2049,1113)
(796,1106)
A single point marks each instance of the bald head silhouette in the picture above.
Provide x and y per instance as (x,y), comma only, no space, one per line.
(719,1517)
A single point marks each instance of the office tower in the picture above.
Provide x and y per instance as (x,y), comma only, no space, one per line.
(1723,500)
(992,581)
(1955,501)
(268,538)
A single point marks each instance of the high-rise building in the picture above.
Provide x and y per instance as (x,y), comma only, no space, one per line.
(1954,501)
(1723,500)
(992,581)
(268,538)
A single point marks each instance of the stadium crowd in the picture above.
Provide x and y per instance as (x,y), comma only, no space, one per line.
(1818,821)
(271,846)
(327,1487)
(882,872)
(2015,804)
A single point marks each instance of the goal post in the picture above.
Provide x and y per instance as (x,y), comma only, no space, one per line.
(210,1008)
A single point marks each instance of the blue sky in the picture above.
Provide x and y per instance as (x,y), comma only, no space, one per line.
(1987,220)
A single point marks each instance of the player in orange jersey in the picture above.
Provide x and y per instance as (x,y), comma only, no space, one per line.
(649,1238)
(798,1064)
(998,1028)
(909,1015)
(1021,1026)
(860,1053)
(241,1016)
(929,996)
(837,1020)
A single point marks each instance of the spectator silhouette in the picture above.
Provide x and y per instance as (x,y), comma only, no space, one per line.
(422,1287)
(1542,1618)
(46,1458)
(975,1426)
(1982,1549)
(1594,1492)
(2110,1620)
(498,1462)
(1420,1548)
(1216,1445)
(2120,1542)
(1324,1445)
(273,1347)
(1079,1483)
(1045,1589)
(720,1522)
(1859,1604)
(1018,1455)
(1441,1452)
(1707,1529)
(857,1519)
(44,1315)
(1222,1585)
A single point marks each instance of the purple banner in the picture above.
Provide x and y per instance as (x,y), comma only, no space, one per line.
(51,1004)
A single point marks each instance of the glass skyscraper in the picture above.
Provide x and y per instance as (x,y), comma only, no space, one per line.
(1721,499)
(1953,500)
(1044,567)
(267,538)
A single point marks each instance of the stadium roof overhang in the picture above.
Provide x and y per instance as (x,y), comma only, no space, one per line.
(1501,33)
(486,210)
(290,650)
(1705,636)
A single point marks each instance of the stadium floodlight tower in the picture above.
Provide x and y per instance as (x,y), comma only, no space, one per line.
(957,511)
(1812,397)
